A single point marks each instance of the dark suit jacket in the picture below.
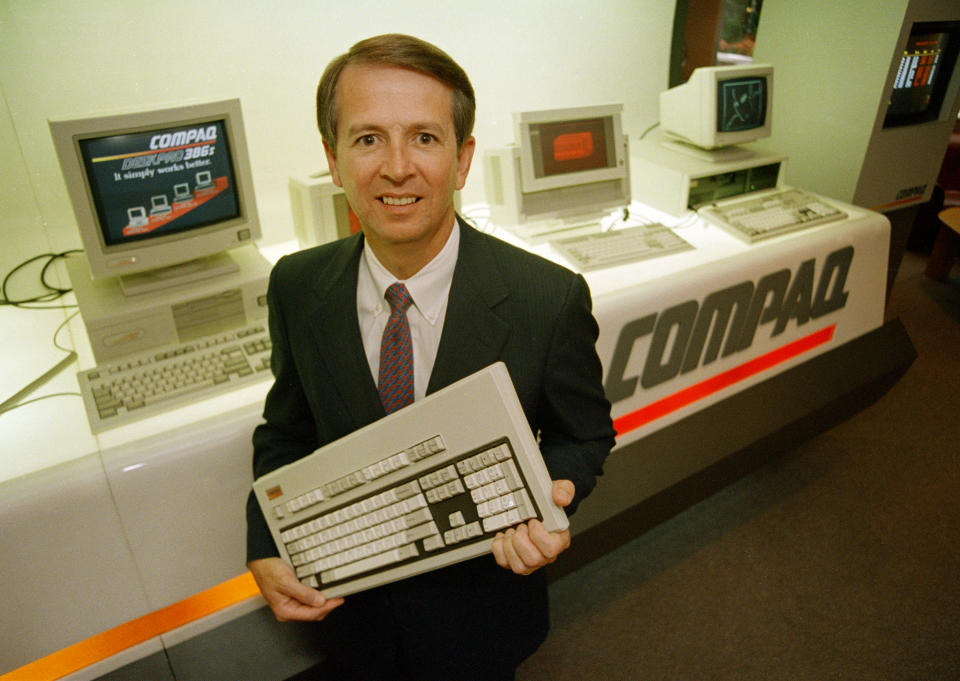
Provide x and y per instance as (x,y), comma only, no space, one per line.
(504,304)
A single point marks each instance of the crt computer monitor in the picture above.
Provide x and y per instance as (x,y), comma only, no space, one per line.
(567,166)
(570,147)
(114,163)
(718,109)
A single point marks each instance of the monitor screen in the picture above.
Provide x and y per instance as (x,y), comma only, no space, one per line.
(570,146)
(154,168)
(567,147)
(741,103)
(926,65)
(157,188)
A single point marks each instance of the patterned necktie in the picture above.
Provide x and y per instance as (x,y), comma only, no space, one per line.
(395,381)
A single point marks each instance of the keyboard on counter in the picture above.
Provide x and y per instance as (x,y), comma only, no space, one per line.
(771,214)
(620,246)
(427,486)
(150,383)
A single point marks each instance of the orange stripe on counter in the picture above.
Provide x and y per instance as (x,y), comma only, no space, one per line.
(698,391)
(113,641)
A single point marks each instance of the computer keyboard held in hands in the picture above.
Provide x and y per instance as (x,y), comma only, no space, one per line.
(427,486)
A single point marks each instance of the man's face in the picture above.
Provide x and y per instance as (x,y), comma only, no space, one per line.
(397,159)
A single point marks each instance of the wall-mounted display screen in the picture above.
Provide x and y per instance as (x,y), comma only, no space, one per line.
(926,67)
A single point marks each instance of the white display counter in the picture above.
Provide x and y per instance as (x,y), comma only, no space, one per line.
(122,548)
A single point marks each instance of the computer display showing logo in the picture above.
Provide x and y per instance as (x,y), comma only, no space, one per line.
(160,181)
(741,104)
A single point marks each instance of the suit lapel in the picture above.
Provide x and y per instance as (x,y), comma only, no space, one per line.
(336,333)
(473,334)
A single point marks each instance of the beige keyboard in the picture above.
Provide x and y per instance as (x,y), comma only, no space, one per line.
(771,214)
(153,382)
(425,487)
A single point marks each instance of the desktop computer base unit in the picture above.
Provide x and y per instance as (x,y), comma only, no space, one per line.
(420,489)
(118,325)
(675,183)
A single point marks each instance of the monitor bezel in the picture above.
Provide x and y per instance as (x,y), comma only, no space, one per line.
(525,120)
(140,255)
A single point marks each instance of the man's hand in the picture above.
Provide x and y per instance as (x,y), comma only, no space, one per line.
(286,596)
(528,547)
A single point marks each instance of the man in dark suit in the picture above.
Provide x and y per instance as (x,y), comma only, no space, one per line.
(396,115)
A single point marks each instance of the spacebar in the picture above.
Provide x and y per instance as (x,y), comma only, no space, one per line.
(371,563)
(179,392)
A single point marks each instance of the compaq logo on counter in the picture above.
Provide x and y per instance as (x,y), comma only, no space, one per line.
(183,137)
(910,192)
(698,329)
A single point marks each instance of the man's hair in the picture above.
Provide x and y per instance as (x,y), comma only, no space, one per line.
(404,51)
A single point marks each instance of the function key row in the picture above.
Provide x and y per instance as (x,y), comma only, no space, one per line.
(397,461)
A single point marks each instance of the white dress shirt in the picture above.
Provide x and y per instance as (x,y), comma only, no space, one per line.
(428,288)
